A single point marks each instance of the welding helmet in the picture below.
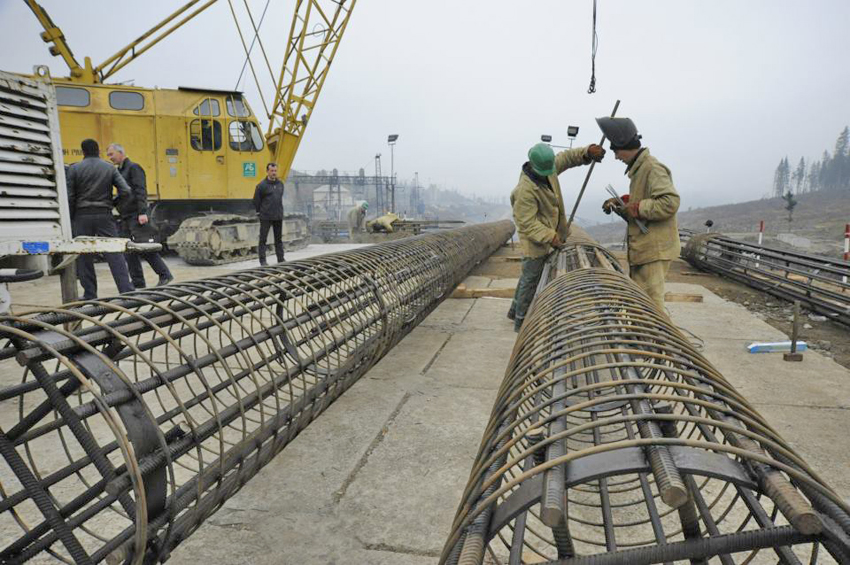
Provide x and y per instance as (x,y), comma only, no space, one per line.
(621,132)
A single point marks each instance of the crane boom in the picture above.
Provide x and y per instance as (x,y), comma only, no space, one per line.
(309,54)
(52,34)
(93,75)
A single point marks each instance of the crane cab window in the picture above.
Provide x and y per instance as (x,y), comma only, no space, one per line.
(209,107)
(245,136)
(72,96)
(205,135)
(121,100)
(236,107)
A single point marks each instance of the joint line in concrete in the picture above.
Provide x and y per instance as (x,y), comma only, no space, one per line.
(372,446)
(437,354)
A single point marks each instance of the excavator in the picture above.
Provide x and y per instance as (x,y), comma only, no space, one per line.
(203,150)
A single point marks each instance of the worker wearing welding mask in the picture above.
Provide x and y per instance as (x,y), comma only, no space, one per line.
(653,200)
(538,210)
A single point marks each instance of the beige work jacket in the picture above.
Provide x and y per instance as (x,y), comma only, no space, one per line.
(539,212)
(652,185)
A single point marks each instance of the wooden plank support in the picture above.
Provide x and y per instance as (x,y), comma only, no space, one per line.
(682,297)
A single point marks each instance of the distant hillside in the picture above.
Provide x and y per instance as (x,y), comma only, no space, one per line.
(819,217)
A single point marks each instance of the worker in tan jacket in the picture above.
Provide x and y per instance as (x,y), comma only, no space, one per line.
(653,200)
(356,216)
(538,209)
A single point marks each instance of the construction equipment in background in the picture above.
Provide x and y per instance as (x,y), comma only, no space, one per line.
(330,232)
(131,431)
(335,203)
(819,283)
(35,223)
(202,149)
(216,239)
(612,441)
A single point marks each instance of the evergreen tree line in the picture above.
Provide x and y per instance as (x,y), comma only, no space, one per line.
(831,172)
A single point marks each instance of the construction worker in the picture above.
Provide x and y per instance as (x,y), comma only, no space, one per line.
(268,202)
(538,209)
(653,200)
(355,218)
(133,214)
(383,223)
(90,185)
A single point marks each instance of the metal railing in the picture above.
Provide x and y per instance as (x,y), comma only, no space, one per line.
(119,438)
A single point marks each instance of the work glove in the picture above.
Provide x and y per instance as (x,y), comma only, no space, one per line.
(633,210)
(595,152)
(556,241)
(610,205)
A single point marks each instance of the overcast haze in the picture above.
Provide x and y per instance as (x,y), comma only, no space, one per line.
(721,90)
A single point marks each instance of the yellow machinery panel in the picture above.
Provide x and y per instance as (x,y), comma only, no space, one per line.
(193,144)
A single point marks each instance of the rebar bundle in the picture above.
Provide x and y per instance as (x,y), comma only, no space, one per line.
(119,437)
(613,441)
(819,283)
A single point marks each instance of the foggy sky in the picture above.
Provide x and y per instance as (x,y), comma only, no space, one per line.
(721,90)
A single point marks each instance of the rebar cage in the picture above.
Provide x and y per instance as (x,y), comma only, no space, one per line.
(119,437)
(819,283)
(613,441)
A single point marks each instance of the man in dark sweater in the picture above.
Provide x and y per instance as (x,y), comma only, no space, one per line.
(268,202)
(90,185)
(134,215)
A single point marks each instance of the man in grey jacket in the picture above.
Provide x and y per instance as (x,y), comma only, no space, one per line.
(268,202)
(90,185)
(133,214)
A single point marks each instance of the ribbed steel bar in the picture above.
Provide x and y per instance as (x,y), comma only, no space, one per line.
(128,421)
(663,461)
(820,283)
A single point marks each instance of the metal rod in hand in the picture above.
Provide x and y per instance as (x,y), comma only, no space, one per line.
(589,171)
(621,204)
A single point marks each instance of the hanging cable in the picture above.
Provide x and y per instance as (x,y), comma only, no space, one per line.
(593,44)
(251,48)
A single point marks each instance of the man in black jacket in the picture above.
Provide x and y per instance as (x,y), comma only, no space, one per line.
(268,201)
(90,185)
(134,214)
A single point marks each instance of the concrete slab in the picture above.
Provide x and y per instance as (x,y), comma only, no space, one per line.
(470,360)
(476,282)
(504,283)
(413,355)
(410,486)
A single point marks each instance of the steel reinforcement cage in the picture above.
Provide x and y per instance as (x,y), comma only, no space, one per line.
(819,283)
(119,437)
(613,441)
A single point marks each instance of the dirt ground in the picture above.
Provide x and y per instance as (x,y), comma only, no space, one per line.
(828,337)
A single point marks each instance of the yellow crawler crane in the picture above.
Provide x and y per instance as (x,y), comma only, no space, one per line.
(203,150)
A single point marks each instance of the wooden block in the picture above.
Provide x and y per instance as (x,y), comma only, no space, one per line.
(504,259)
(695,274)
(682,297)
(482,292)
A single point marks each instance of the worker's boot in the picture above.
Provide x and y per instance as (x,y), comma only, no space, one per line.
(518,324)
(512,313)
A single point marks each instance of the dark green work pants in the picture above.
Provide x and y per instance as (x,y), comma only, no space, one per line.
(532,268)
